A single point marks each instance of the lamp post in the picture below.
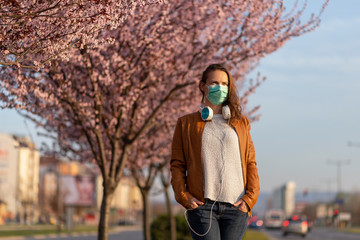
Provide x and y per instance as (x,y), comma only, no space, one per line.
(353,144)
(339,164)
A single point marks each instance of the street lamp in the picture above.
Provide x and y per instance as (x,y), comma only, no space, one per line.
(353,144)
(338,164)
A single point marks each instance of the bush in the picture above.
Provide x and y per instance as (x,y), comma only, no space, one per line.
(160,228)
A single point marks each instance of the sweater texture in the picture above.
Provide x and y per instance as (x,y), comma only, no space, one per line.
(223,177)
(187,178)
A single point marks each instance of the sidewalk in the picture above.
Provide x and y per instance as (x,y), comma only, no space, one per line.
(116,229)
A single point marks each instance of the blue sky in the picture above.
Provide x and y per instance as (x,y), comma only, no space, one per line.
(309,105)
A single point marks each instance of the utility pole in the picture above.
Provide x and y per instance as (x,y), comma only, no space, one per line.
(339,164)
(328,182)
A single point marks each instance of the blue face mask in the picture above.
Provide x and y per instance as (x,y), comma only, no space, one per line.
(217,94)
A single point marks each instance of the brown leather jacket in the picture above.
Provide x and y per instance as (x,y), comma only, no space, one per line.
(186,164)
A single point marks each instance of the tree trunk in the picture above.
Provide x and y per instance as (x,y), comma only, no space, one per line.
(108,194)
(146,213)
(170,213)
(166,183)
(59,204)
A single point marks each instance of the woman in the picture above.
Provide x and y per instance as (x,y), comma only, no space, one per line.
(213,167)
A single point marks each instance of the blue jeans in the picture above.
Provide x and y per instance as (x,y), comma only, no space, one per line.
(227,221)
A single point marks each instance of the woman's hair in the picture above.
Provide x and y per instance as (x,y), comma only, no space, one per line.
(233,100)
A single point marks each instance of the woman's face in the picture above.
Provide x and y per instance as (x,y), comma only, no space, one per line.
(214,78)
(85,187)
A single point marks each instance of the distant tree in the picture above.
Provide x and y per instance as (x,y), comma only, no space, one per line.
(149,158)
(310,211)
(164,172)
(144,177)
(103,98)
(352,205)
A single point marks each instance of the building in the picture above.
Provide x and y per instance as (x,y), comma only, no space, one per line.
(19,177)
(284,198)
(48,187)
(62,192)
(80,188)
(3,212)
(126,204)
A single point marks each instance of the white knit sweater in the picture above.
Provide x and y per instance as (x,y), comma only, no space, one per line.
(223,177)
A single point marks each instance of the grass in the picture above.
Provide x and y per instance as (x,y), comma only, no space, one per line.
(44,231)
(254,235)
(26,227)
(351,230)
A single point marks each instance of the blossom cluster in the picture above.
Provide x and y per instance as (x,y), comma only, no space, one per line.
(32,33)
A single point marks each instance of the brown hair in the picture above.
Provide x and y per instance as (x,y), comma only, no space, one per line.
(233,100)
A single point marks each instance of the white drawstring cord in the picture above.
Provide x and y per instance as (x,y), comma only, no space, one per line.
(211,210)
(200,235)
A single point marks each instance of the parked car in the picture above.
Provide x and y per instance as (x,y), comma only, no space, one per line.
(295,225)
(255,222)
(124,222)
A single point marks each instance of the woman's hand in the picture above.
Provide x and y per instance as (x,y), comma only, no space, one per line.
(194,203)
(242,206)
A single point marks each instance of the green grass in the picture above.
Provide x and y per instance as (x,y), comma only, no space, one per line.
(39,231)
(10,233)
(254,235)
(351,230)
(26,227)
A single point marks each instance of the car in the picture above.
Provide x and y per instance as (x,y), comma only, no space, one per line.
(295,225)
(124,222)
(274,219)
(255,223)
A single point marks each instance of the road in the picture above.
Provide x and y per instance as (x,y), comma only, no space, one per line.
(126,235)
(123,235)
(315,234)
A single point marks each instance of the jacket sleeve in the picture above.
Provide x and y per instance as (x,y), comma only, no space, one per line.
(178,167)
(252,187)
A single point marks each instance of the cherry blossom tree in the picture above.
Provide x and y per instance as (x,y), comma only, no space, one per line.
(164,172)
(101,100)
(150,157)
(32,33)
(145,175)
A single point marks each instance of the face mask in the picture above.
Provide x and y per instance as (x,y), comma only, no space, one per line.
(217,94)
